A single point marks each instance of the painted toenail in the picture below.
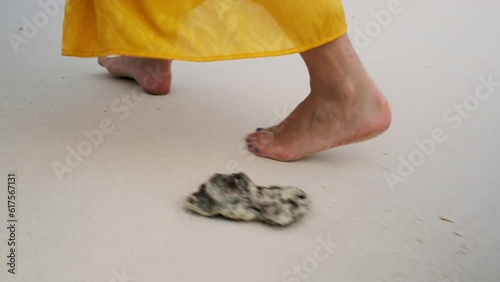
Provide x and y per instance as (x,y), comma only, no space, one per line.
(256,150)
(248,140)
(259,129)
(249,145)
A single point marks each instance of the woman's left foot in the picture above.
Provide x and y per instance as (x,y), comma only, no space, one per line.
(321,122)
(344,107)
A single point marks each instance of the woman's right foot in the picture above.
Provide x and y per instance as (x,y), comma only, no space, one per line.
(153,75)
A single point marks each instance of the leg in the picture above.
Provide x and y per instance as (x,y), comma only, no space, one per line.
(153,75)
(344,106)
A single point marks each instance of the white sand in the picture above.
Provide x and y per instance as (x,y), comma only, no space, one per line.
(119,211)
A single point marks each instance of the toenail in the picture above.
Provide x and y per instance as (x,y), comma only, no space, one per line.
(249,145)
(256,150)
(259,129)
(248,140)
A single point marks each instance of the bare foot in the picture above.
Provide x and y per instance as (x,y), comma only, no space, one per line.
(318,124)
(344,106)
(153,75)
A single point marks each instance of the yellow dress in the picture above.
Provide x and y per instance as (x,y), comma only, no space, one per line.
(199,30)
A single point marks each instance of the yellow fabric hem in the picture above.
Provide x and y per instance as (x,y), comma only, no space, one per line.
(103,53)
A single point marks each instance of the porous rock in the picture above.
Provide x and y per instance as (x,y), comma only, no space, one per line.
(235,196)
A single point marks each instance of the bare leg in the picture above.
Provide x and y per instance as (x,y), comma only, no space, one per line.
(344,106)
(153,75)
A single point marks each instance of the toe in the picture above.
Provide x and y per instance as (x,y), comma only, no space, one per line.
(259,141)
(263,138)
(250,139)
(250,136)
(102,61)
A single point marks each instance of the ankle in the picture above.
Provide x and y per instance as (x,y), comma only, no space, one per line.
(335,90)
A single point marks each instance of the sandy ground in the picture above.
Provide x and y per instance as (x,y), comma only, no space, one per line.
(117,215)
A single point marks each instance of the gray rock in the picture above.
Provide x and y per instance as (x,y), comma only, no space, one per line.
(235,196)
